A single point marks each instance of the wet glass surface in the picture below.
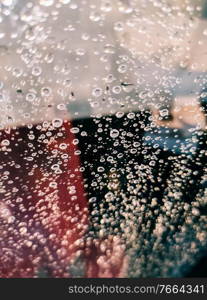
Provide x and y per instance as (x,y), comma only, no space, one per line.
(103,138)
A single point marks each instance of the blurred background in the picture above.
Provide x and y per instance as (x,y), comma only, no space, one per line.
(61,46)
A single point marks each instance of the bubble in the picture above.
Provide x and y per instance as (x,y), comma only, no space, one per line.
(114,133)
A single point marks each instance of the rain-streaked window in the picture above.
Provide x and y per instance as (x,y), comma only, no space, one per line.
(103,108)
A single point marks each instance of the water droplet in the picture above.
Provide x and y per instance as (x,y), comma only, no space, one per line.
(7,2)
(53,184)
(36,71)
(131,115)
(5,143)
(97,92)
(106,6)
(63,146)
(205,32)
(122,68)
(95,17)
(46,2)
(114,133)
(23,230)
(74,129)
(61,106)
(80,52)
(100,169)
(30,97)
(116,89)
(65,1)
(118,26)
(119,114)
(46,91)
(57,123)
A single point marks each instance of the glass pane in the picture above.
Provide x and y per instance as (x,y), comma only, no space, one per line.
(103,138)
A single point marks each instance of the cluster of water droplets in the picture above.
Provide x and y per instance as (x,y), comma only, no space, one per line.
(103,168)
